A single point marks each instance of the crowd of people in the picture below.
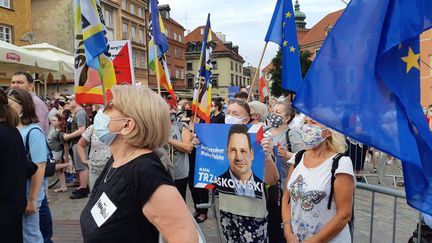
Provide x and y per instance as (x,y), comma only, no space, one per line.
(135,159)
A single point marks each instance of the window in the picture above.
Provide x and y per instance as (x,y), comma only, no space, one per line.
(316,51)
(5,3)
(179,38)
(189,66)
(177,73)
(175,52)
(232,79)
(190,82)
(5,33)
(236,67)
(167,32)
(124,4)
(140,12)
(237,84)
(133,33)
(175,36)
(182,74)
(214,65)
(109,22)
(240,68)
(132,8)
(134,59)
(125,31)
(142,60)
(141,36)
(232,66)
(215,80)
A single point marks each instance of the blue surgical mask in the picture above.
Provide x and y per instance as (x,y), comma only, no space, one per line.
(101,122)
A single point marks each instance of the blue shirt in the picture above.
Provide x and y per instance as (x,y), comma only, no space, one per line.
(38,151)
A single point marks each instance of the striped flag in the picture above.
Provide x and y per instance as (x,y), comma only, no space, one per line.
(263,90)
(93,66)
(157,62)
(201,103)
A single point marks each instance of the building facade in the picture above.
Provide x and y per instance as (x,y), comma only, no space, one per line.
(15,21)
(133,25)
(175,56)
(426,68)
(15,27)
(227,63)
(53,22)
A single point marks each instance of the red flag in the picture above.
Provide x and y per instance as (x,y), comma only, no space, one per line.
(263,91)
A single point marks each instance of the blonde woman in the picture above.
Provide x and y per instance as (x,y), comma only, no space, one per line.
(134,198)
(310,211)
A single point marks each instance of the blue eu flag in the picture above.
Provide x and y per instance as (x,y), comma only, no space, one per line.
(365,83)
(282,31)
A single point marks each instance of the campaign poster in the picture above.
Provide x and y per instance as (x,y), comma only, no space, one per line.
(121,57)
(232,90)
(230,158)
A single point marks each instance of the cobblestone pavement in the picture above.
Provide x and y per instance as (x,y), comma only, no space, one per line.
(66,214)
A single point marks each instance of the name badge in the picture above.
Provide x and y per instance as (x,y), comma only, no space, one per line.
(102,210)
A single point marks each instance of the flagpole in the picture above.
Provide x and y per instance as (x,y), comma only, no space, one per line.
(196,107)
(157,68)
(103,85)
(257,71)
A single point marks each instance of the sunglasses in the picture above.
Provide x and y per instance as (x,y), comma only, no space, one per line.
(237,101)
(108,107)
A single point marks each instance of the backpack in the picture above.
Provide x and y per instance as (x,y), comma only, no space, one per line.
(335,165)
(50,163)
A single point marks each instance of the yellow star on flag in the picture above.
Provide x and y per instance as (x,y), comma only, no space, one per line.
(292,49)
(285,43)
(288,14)
(411,60)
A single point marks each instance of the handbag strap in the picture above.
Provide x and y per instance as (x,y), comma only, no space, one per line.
(27,143)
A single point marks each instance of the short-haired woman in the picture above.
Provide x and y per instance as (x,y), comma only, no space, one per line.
(12,173)
(23,104)
(135,198)
(310,212)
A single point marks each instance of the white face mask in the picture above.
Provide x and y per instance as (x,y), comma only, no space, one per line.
(233,120)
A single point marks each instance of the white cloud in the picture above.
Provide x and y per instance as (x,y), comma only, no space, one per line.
(244,22)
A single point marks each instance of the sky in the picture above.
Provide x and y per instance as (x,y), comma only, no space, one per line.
(245,22)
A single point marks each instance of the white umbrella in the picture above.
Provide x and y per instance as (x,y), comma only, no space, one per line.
(64,58)
(14,58)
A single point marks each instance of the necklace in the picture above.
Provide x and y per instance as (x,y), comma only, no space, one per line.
(108,176)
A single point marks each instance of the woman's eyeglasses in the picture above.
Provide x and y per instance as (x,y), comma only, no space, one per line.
(237,101)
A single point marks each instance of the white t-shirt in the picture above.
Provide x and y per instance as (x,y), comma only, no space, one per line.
(309,190)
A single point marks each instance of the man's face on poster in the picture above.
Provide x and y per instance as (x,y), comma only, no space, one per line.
(240,156)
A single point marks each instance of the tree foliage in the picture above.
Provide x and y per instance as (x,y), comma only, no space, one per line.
(276,72)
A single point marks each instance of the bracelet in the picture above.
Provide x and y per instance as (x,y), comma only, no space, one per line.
(285,222)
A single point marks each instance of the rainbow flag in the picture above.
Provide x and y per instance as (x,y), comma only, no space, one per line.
(201,103)
(93,66)
(157,61)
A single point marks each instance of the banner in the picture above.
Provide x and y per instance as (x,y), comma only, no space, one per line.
(232,90)
(230,158)
(121,56)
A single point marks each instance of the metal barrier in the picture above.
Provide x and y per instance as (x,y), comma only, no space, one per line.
(389,192)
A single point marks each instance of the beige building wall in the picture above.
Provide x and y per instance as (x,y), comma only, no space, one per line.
(222,70)
(54,23)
